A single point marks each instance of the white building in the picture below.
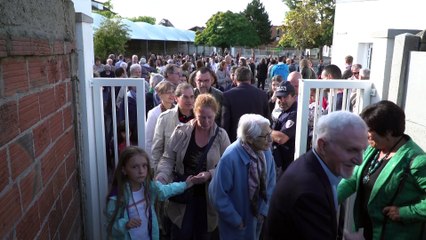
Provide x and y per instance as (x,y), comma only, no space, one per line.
(366,29)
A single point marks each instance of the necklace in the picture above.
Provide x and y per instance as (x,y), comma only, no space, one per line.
(376,163)
(134,202)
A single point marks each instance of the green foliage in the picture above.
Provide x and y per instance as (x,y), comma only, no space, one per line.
(308,24)
(150,20)
(259,18)
(108,13)
(110,37)
(228,29)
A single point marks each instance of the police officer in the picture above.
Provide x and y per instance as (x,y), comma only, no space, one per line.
(284,128)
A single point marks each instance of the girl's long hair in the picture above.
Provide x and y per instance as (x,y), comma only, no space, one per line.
(119,183)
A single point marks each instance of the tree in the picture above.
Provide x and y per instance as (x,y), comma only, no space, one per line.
(107,12)
(309,23)
(110,37)
(300,28)
(150,20)
(259,18)
(228,29)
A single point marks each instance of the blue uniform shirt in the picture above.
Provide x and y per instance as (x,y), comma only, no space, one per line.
(286,123)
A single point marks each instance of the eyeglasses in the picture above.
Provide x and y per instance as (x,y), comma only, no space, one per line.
(266,136)
(355,73)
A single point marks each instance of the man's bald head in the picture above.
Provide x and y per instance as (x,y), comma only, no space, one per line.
(293,78)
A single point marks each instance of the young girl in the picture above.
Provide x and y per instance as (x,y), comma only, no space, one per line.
(130,204)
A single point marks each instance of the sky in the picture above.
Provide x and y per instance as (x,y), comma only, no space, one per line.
(185,14)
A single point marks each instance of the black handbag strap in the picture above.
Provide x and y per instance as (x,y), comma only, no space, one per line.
(206,150)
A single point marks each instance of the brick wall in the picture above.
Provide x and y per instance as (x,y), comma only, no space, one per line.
(39,191)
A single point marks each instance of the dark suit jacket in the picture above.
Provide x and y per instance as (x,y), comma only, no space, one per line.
(241,100)
(302,205)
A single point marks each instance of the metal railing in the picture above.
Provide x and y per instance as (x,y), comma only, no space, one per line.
(308,112)
(98,85)
(351,91)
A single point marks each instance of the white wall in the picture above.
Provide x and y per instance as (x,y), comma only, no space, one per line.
(415,112)
(360,22)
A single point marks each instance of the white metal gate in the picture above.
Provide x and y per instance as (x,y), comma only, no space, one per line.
(364,91)
(362,88)
(98,85)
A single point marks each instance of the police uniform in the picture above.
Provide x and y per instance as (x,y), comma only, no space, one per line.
(286,123)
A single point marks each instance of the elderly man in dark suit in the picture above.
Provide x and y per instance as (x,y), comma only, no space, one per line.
(304,202)
(240,100)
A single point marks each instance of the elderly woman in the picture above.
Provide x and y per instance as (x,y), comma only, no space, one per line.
(194,149)
(165,90)
(245,178)
(390,184)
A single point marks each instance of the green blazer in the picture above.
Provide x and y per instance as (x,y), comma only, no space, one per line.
(411,200)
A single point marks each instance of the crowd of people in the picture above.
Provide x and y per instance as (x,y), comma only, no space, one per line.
(220,155)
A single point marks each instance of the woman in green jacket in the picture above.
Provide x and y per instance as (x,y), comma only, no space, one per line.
(390,184)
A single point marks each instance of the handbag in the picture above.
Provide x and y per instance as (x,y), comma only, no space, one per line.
(187,195)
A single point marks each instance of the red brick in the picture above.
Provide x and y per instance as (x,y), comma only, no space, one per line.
(21,47)
(54,69)
(71,223)
(47,102)
(56,126)
(29,187)
(59,180)
(4,169)
(8,122)
(15,76)
(37,71)
(49,164)
(68,117)
(58,48)
(55,218)
(3,49)
(60,95)
(29,226)
(11,210)
(45,202)
(67,195)
(65,144)
(21,154)
(41,47)
(44,233)
(29,111)
(71,164)
(42,139)
(74,181)
(69,92)
(65,67)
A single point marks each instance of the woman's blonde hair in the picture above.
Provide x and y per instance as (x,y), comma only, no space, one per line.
(206,100)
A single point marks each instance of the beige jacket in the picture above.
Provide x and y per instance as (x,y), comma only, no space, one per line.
(166,124)
(173,159)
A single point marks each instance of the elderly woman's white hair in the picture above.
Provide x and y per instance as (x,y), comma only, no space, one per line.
(250,126)
(133,68)
(123,65)
(155,79)
(332,124)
